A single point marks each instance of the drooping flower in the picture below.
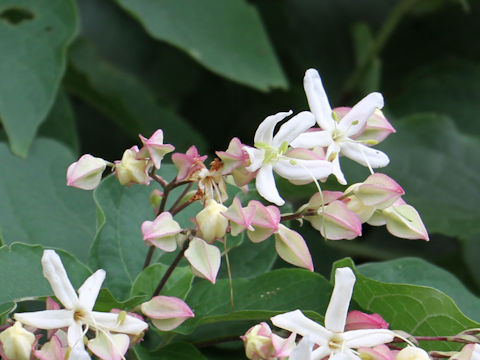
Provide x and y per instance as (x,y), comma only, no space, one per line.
(332,340)
(204,259)
(211,223)
(339,135)
(17,342)
(188,163)
(131,170)
(269,155)
(154,148)
(166,312)
(78,315)
(161,232)
(86,173)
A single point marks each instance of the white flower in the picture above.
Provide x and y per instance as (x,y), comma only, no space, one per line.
(332,340)
(338,135)
(268,155)
(78,315)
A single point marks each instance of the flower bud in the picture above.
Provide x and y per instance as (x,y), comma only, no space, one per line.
(17,342)
(188,163)
(258,342)
(161,232)
(378,190)
(86,173)
(166,312)
(357,320)
(379,352)
(404,222)
(468,352)
(265,221)
(204,259)
(211,223)
(292,248)
(154,148)
(412,353)
(130,170)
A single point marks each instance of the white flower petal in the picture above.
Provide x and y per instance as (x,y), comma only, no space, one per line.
(88,292)
(293,127)
(264,133)
(365,155)
(318,100)
(79,353)
(303,351)
(320,352)
(299,169)
(346,354)
(127,325)
(75,335)
(311,139)
(296,322)
(360,114)
(256,157)
(337,310)
(367,337)
(56,275)
(46,319)
(265,184)
(337,171)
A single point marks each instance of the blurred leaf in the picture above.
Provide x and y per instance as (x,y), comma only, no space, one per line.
(415,271)
(257,298)
(37,207)
(471,249)
(178,351)
(450,88)
(60,123)
(439,169)
(118,246)
(178,283)
(34,37)
(22,276)
(228,38)
(418,310)
(125,100)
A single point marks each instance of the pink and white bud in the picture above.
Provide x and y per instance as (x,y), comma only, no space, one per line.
(155,199)
(468,352)
(130,170)
(292,248)
(166,312)
(188,163)
(404,222)
(111,347)
(265,221)
(17,342)
(86,173)
(161,232)
(211,222)
(240,218)
(204,259)
(261,344)
(319,200)
(235,161)
(412,353)
(304,154)
(154,148)
(378,190)
(376,129)
(52,350)
(357,320)
(336,221)
(363,211)
(379,352)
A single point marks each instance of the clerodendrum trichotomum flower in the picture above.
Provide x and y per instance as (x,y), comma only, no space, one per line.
(331,340)
(269,154)
(111,341)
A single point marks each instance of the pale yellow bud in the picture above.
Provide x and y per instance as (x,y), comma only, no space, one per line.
(211,222)
(412,353)
(17,342)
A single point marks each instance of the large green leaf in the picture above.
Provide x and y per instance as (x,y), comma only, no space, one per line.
(418,310)
(439,169)
(258,298)
(22,277)
(124,99)
(227,37)
(34,36)
(178,351)
(416,271)
(37,207)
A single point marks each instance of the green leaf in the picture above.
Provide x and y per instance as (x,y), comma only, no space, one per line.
(60,123)
(418,310)
(118,246)
(178,283)
(258,298)
(37,207)
(34,37)
(228,38)
(22,275)
(178,351)
(416,271)
(439,169)
(124,99)
(105,301)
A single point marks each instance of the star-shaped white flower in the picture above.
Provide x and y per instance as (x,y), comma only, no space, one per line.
(332,340)
(339,135)
(78,316)
(269,154)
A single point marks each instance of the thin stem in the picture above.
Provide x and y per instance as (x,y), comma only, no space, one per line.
(148,259)
(157,178)
(392,21)
(301,215)
(229,272)
(184,192)
(183,206)
(170,269)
